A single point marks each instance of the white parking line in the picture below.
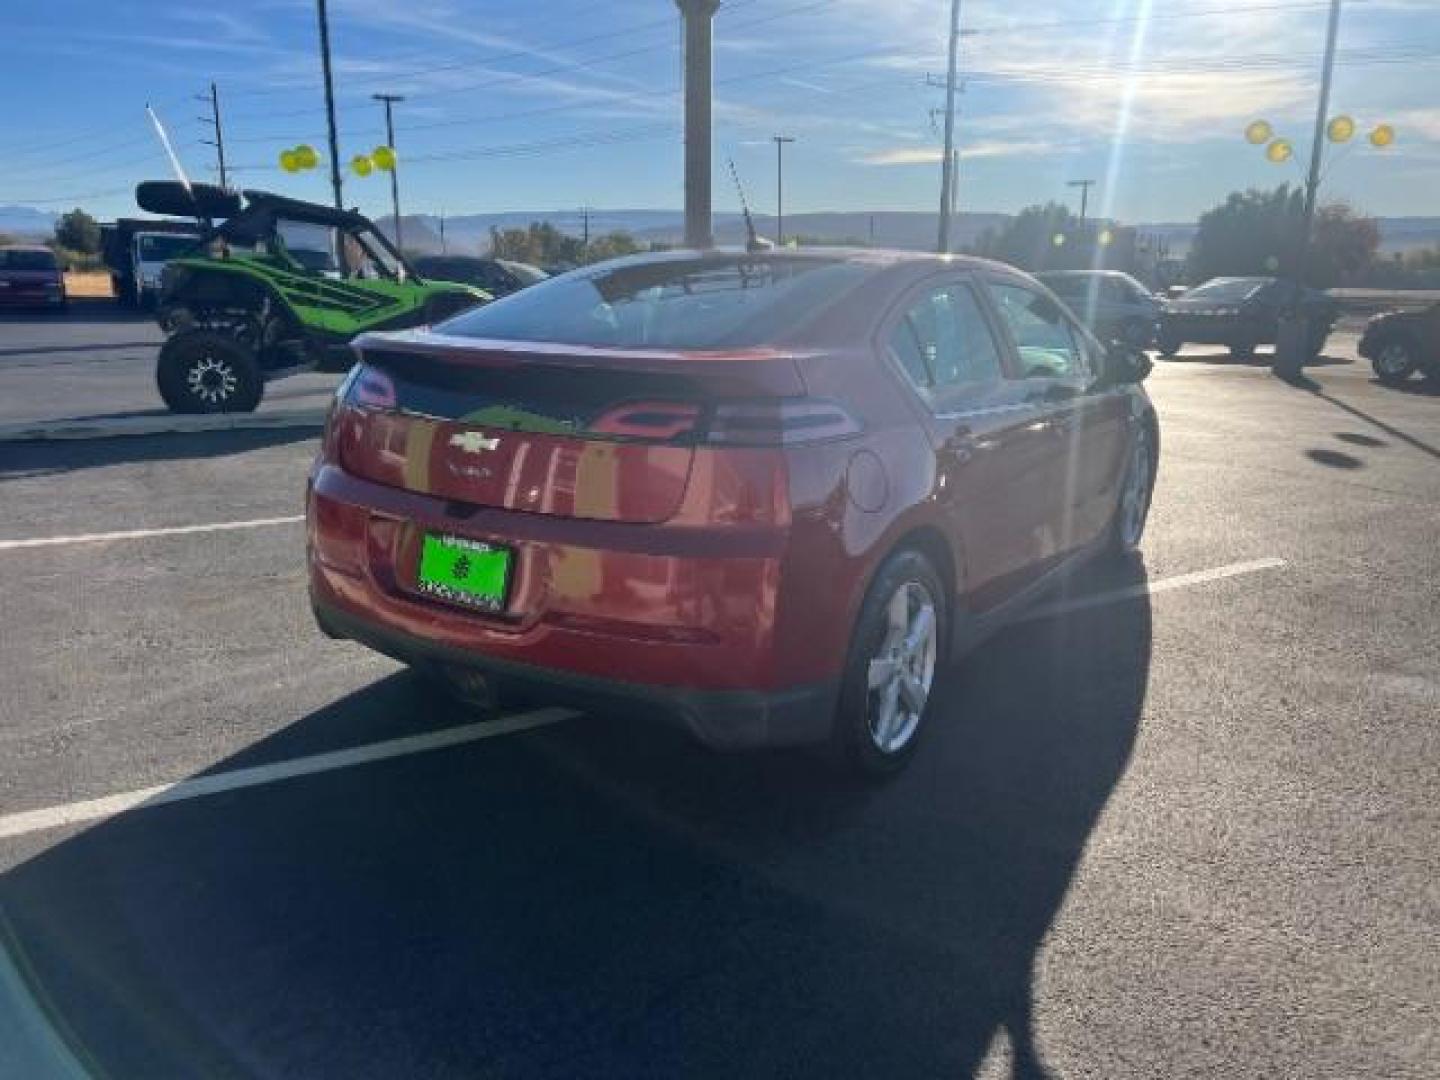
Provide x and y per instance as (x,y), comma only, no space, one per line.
(1150,588)
(75,813)
(51,817)
(145,534)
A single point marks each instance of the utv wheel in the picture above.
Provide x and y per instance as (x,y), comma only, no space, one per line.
(204,372)
(1395,362)
(895,650)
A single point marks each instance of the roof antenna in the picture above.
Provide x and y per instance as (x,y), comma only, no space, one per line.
(754,241)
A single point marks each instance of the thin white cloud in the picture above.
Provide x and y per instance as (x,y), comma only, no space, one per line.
(931,155)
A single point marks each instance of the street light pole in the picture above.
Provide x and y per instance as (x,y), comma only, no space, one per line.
(780,141)
(1084,186)
(389,100)
(329,101)
(1292,343)
(699,33)
(947,167)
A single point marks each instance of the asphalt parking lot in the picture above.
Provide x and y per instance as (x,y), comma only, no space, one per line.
(98,361)
(1184,823)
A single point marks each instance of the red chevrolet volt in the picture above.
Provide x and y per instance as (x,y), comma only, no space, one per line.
(769,492)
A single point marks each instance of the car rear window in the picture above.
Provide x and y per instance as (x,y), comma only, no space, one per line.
(27,260)
(707,303)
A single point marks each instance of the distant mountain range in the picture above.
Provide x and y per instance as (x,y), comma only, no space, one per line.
(26,221)
(470,233)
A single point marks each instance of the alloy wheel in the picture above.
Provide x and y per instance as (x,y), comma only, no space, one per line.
(212,380)
(1135,499)
(1394,359)
(902,670)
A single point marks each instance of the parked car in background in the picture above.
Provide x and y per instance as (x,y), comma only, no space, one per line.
(734,486)
(31,276)
(498,277)
(1400,343)
(1113,305)
(1242,313)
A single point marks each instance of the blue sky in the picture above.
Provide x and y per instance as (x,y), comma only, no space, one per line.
(559,103)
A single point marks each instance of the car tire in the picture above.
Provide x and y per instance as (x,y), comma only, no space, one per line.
(204,372)
(1132,510)
(1394,361)
(1168,344)
(1242,350)
(896,650)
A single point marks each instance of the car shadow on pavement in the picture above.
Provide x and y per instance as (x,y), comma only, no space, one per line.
(596,898)
(27,459)
(1223,358)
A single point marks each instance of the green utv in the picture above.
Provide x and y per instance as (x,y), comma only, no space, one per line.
(279,287)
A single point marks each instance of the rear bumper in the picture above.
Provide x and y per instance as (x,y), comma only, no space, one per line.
(720,719)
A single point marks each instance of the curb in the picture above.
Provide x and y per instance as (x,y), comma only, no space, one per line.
(119,426)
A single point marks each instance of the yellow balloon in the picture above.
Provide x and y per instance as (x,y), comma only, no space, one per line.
(1258,131)
(361,164)
(1105,237)
(1340,129)
(1382,136)
(306,156)
(1058,239)
(1279,151)
(384,158)
(288,161)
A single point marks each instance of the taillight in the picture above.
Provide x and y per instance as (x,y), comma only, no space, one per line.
(663,420)
(779,422)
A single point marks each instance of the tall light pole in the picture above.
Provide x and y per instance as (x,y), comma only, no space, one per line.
(1084,186)
(780,141)
(947,169)
(699,32)
(389,101)
(329,101)
(1291,343)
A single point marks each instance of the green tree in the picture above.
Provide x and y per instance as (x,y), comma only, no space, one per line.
(78,231)
(1028,239)
(610,246)
(1254,232)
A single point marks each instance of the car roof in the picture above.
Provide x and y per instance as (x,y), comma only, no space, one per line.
(891,260)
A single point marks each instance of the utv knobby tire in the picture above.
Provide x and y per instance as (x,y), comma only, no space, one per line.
(200,371)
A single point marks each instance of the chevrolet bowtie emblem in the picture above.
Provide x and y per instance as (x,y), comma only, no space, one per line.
(472,442)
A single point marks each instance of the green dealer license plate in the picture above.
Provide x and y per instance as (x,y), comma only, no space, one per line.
(464,571)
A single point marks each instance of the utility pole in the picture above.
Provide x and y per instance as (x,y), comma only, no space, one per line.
(389,101)
(699,41)
(214,121)
(585,228)
(329,101)
(1084,186)
(780,141)
(947,178)
(1291,346)
(443,249)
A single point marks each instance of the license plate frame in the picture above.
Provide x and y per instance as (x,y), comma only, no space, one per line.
(469,573)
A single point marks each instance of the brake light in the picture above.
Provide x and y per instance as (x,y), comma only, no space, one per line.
(663,420)
(779,422)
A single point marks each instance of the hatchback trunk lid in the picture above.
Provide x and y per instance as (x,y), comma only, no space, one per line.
(570,431)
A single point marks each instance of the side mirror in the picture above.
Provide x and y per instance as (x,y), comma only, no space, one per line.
(1126,364)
